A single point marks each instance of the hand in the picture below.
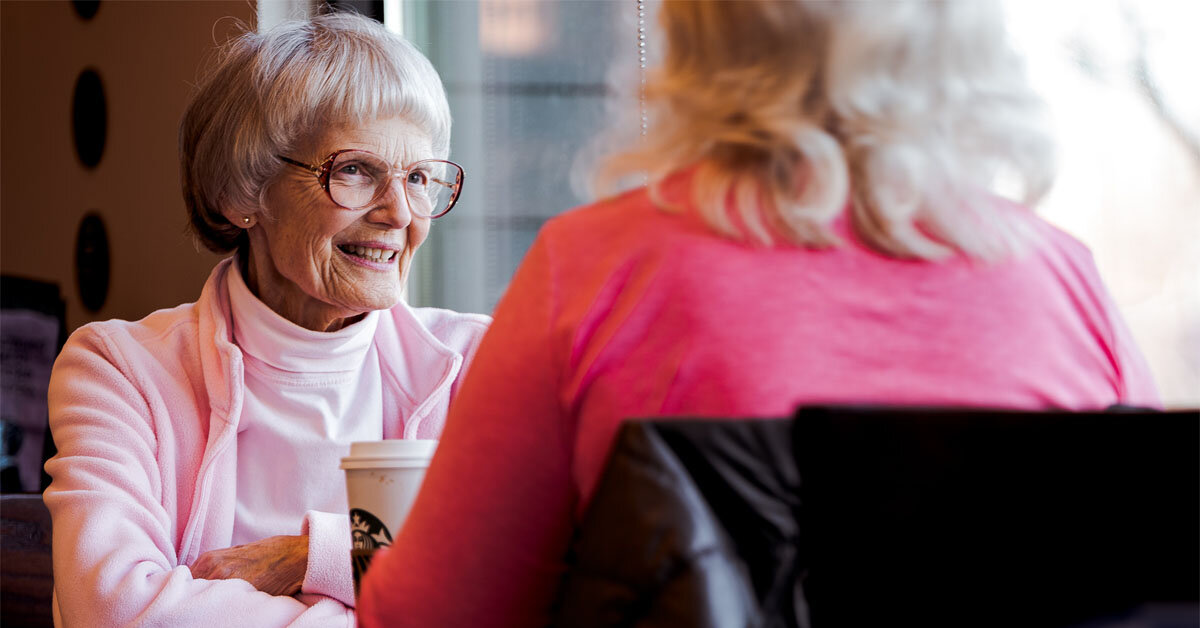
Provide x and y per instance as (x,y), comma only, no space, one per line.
(274,565)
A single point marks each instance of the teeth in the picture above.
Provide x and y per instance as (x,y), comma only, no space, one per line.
(374,255)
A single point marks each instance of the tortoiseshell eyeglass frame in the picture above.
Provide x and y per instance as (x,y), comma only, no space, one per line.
(323,171)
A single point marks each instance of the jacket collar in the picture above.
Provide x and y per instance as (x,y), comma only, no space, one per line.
(220,358)
(416,363)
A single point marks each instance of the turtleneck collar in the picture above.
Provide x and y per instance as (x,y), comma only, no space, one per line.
(284,345)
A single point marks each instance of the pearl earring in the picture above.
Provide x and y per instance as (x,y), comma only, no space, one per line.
(246,220)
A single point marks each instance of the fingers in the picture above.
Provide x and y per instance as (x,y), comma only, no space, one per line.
(203,567)
(277,583)
(215,565)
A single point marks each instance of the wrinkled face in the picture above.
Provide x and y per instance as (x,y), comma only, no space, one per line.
(318,264)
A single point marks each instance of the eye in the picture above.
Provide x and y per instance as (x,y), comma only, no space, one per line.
(418,178)
(351,169)
(357,172)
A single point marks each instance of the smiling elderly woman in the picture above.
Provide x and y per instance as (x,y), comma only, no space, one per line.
(197,477)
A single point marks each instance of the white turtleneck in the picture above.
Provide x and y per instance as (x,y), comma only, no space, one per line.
(308,395)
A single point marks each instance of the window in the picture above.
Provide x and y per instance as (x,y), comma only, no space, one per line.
(1118,80)
(527,87)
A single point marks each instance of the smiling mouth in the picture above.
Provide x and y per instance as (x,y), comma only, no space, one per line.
(381,256)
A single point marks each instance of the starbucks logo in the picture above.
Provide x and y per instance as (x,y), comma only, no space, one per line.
(368,531)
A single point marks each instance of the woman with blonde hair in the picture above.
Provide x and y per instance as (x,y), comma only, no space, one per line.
(819,226)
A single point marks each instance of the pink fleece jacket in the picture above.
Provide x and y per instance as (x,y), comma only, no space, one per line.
(620,310)
(145,416)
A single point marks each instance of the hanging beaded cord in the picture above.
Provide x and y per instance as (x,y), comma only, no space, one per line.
(641,15)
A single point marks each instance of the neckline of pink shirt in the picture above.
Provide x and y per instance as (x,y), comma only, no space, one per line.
(281,344)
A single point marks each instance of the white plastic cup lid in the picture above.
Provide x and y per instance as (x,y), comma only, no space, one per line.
(390,453)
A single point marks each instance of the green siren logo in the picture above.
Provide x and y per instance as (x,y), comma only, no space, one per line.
(368,531)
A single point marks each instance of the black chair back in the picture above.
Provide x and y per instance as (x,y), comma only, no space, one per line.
(859,516)
(968,517)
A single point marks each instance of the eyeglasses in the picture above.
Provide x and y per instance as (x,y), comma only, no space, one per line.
(354,179)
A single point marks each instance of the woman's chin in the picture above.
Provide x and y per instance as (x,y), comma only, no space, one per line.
(376,286)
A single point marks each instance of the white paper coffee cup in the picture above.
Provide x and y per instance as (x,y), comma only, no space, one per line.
(382,481)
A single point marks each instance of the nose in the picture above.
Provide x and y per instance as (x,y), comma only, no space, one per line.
(392,210)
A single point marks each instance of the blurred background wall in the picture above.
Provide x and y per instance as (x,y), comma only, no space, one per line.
(147,55)
(117,75)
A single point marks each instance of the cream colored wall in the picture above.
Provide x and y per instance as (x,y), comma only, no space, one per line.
(148,55)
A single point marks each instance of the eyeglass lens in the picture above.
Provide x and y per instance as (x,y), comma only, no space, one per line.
(357,178)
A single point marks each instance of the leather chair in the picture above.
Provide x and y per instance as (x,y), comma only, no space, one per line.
(26,571)
(853,516)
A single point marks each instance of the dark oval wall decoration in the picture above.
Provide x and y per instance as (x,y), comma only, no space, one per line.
(89,113)
(91,262)
(86,8)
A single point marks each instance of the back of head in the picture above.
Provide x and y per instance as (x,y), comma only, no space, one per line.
(908,109)
(267,92)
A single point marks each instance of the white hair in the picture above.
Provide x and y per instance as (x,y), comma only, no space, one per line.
(268,92)
(908,109)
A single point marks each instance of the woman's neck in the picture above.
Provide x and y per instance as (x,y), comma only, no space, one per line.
(308,313)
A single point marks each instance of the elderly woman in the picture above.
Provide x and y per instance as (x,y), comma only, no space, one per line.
(817,228)
(197,481)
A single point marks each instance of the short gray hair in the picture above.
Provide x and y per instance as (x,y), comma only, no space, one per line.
(268,92)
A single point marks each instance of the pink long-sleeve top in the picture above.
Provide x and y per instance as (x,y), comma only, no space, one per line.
(622,310)
(307,395)
(146,416)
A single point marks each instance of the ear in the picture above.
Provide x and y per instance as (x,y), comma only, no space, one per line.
(239,217)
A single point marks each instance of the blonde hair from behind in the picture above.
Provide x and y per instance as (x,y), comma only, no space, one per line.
(909,109)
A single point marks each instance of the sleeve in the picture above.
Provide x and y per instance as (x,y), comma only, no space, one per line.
(114,555)
(329,545)
(485,542)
